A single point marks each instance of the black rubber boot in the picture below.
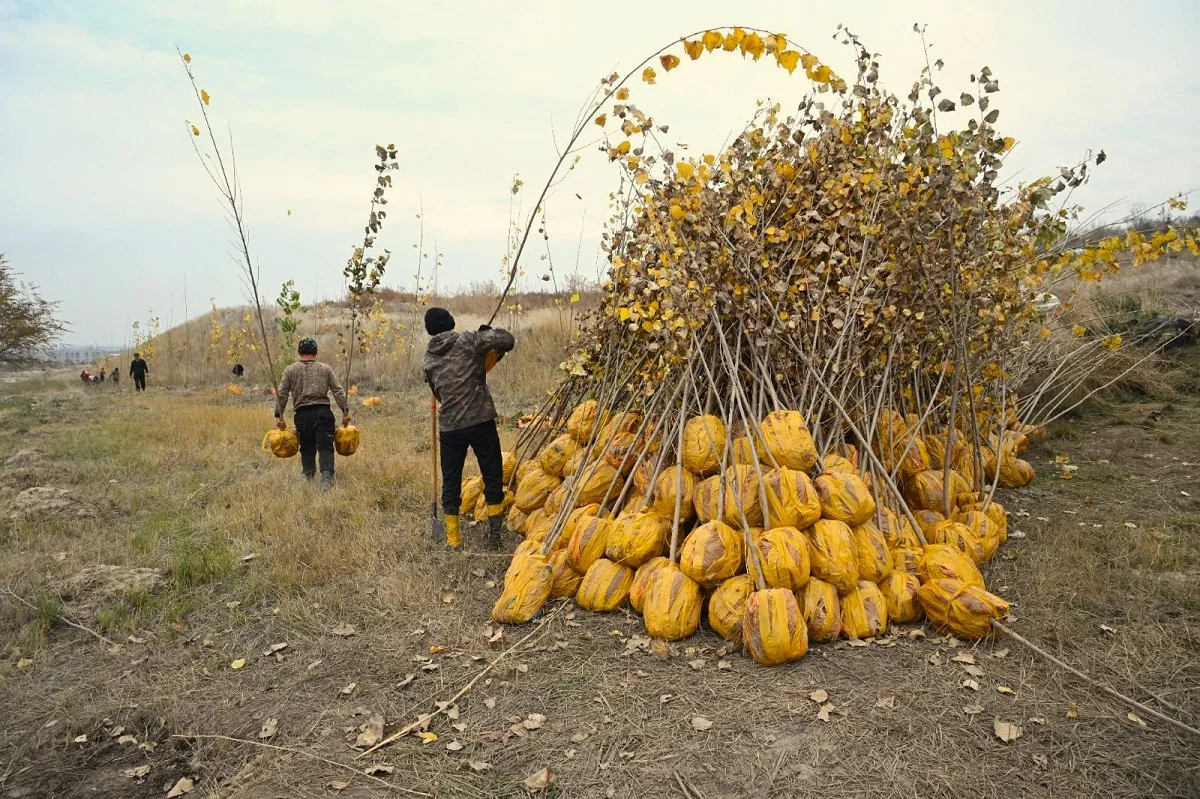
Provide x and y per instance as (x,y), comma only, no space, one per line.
(495,530)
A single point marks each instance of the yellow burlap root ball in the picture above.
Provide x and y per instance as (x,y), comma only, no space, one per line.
(527,586)
(773,628)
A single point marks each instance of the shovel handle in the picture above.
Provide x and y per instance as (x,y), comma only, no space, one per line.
(433,448)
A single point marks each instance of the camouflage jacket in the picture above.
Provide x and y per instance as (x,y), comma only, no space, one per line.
(309,383)
(455,372)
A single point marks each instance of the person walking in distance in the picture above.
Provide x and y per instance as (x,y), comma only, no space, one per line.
(456,373)
(116,377)
(138,369)
(309,383)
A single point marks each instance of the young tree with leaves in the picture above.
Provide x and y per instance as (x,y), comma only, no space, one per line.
(29,324)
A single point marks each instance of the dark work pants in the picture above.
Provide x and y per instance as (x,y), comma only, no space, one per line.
(484,440)
(139,382)
(314,428)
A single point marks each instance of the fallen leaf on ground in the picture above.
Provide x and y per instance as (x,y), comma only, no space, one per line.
(580,737)
(534,721)
(24,663)
(427,737)
(184,785)
(337,785)
(478,572)
(344,630)
(237,664)
(447,597)
(269,728)
(539,781)
(696,664)
(379,768)
(819,695)
(349,689)
(1005,730)
(823,713)
(133,639)
(970,684)
(454,746)
(1072,710)
(1135,718)
(964,657)
(277,647)
(1004,689)
(887,701)
(974,671)
(127,739)
(936,658)
(724,664)
(490,702)
(81,739)
(973,710)
(408,678)
(137,772)
(1108,629)
(1000,653)
(372,732)
(478,766)
(700,724)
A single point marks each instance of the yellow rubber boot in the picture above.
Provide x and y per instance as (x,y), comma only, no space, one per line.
(453,535)
(495,526)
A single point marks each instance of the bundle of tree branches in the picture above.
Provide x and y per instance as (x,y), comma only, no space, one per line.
(819,354)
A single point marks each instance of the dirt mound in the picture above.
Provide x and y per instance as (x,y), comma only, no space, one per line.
(101,584)
(22,457)
(46,502)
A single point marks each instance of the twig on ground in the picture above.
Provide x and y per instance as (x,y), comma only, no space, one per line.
(682,785)
(302,753)
(428,717)
(1095,684)
(64,619)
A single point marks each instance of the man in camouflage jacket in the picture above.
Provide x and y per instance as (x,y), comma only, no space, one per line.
(456,371)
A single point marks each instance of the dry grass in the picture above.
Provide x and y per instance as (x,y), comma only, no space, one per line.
(176,482)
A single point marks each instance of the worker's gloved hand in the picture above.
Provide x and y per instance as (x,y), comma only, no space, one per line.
(282,425)
(485,327)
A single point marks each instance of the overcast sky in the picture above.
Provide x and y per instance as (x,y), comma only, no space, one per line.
(105,206)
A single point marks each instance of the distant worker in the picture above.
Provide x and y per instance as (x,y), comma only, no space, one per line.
(138,369)
(116,376)
(457,375)
(309,383)
(103,374)
(85,377)
(238,370)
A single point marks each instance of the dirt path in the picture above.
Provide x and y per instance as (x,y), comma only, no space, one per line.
(1103,569)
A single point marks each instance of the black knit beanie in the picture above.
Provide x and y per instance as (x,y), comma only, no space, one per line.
(438,320)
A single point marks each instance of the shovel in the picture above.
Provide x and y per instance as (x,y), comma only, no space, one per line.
(437,527)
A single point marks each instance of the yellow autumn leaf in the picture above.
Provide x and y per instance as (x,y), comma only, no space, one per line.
(648,75)
(677,213)
(600,120)
(237,664)
(821,74)
(668,61)
(809,62)
(779,41)
(575,298)
(622,94)
(427,737)
(622,148)
(1078,331)
(788,59)
(623,314)
(684,169)
(733,39)
(195,130)
(754,45)
(1113,342)
(187,59)
(694,48)
(712,40)
(1009,142)
(204,96)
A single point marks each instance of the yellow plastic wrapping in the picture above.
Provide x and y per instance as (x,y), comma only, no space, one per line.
(605,587)
(900,591)
(844,497)
(906,559)
(907,456)
(896,529)
(634,504)
(944,562)
(703,444)
(671,605)
(864,611)
(792,499)
(533,488)
(773,628)
(673,480)
(1016,473)
(472,490)
(924,489)
(588,542)
(516,520)
(712,553)
(480,513)
(787,440)
(574,463)
(727,605)
(508,465)
(995,512)
(740,485)
(565,581)
(831,547)
(527,547)
(935,445)
(962,610)
(536,521)
(527,586)
(346,440)
(622,452)
(928,519)
(635,540)
(871,553)
(783,555)
(642,577)
(599,483)
(984,529)
(280,443)
(555,455)
(822,610)
(573,519)
(581,424)
(838,463)
(958,536)
(556,499)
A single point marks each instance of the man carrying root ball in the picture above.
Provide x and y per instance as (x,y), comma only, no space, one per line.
(309,383)
(456,366)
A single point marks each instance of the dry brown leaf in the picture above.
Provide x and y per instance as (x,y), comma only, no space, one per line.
(344,630)
(237,664)
(490,702)
(696,664)
(447,597)
(964,657)
(454,746)
(137,772)
(184,785)
(539,781)
(580,737)
(887,701)
(277,647)
(723,664)
(660,649)
(1005,730)
(1135,718)
(819,696)
(479,766)
(133,639)
(936,658)
(269,728)
(973,710)
(81,739)
(974,671)
(127,739)
(379,768)
(479,572)
(337,785)
(24,663)
(1072,710)
(534,721)
(349,689)
(460,727)
(970,684)
(372,732)
(1000,653)
(1004,689)
(823,713)
(700,724)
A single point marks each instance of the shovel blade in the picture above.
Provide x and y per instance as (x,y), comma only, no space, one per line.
(437,527)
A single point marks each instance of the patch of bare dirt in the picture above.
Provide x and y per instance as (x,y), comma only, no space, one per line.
(101,584)
(46,502)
